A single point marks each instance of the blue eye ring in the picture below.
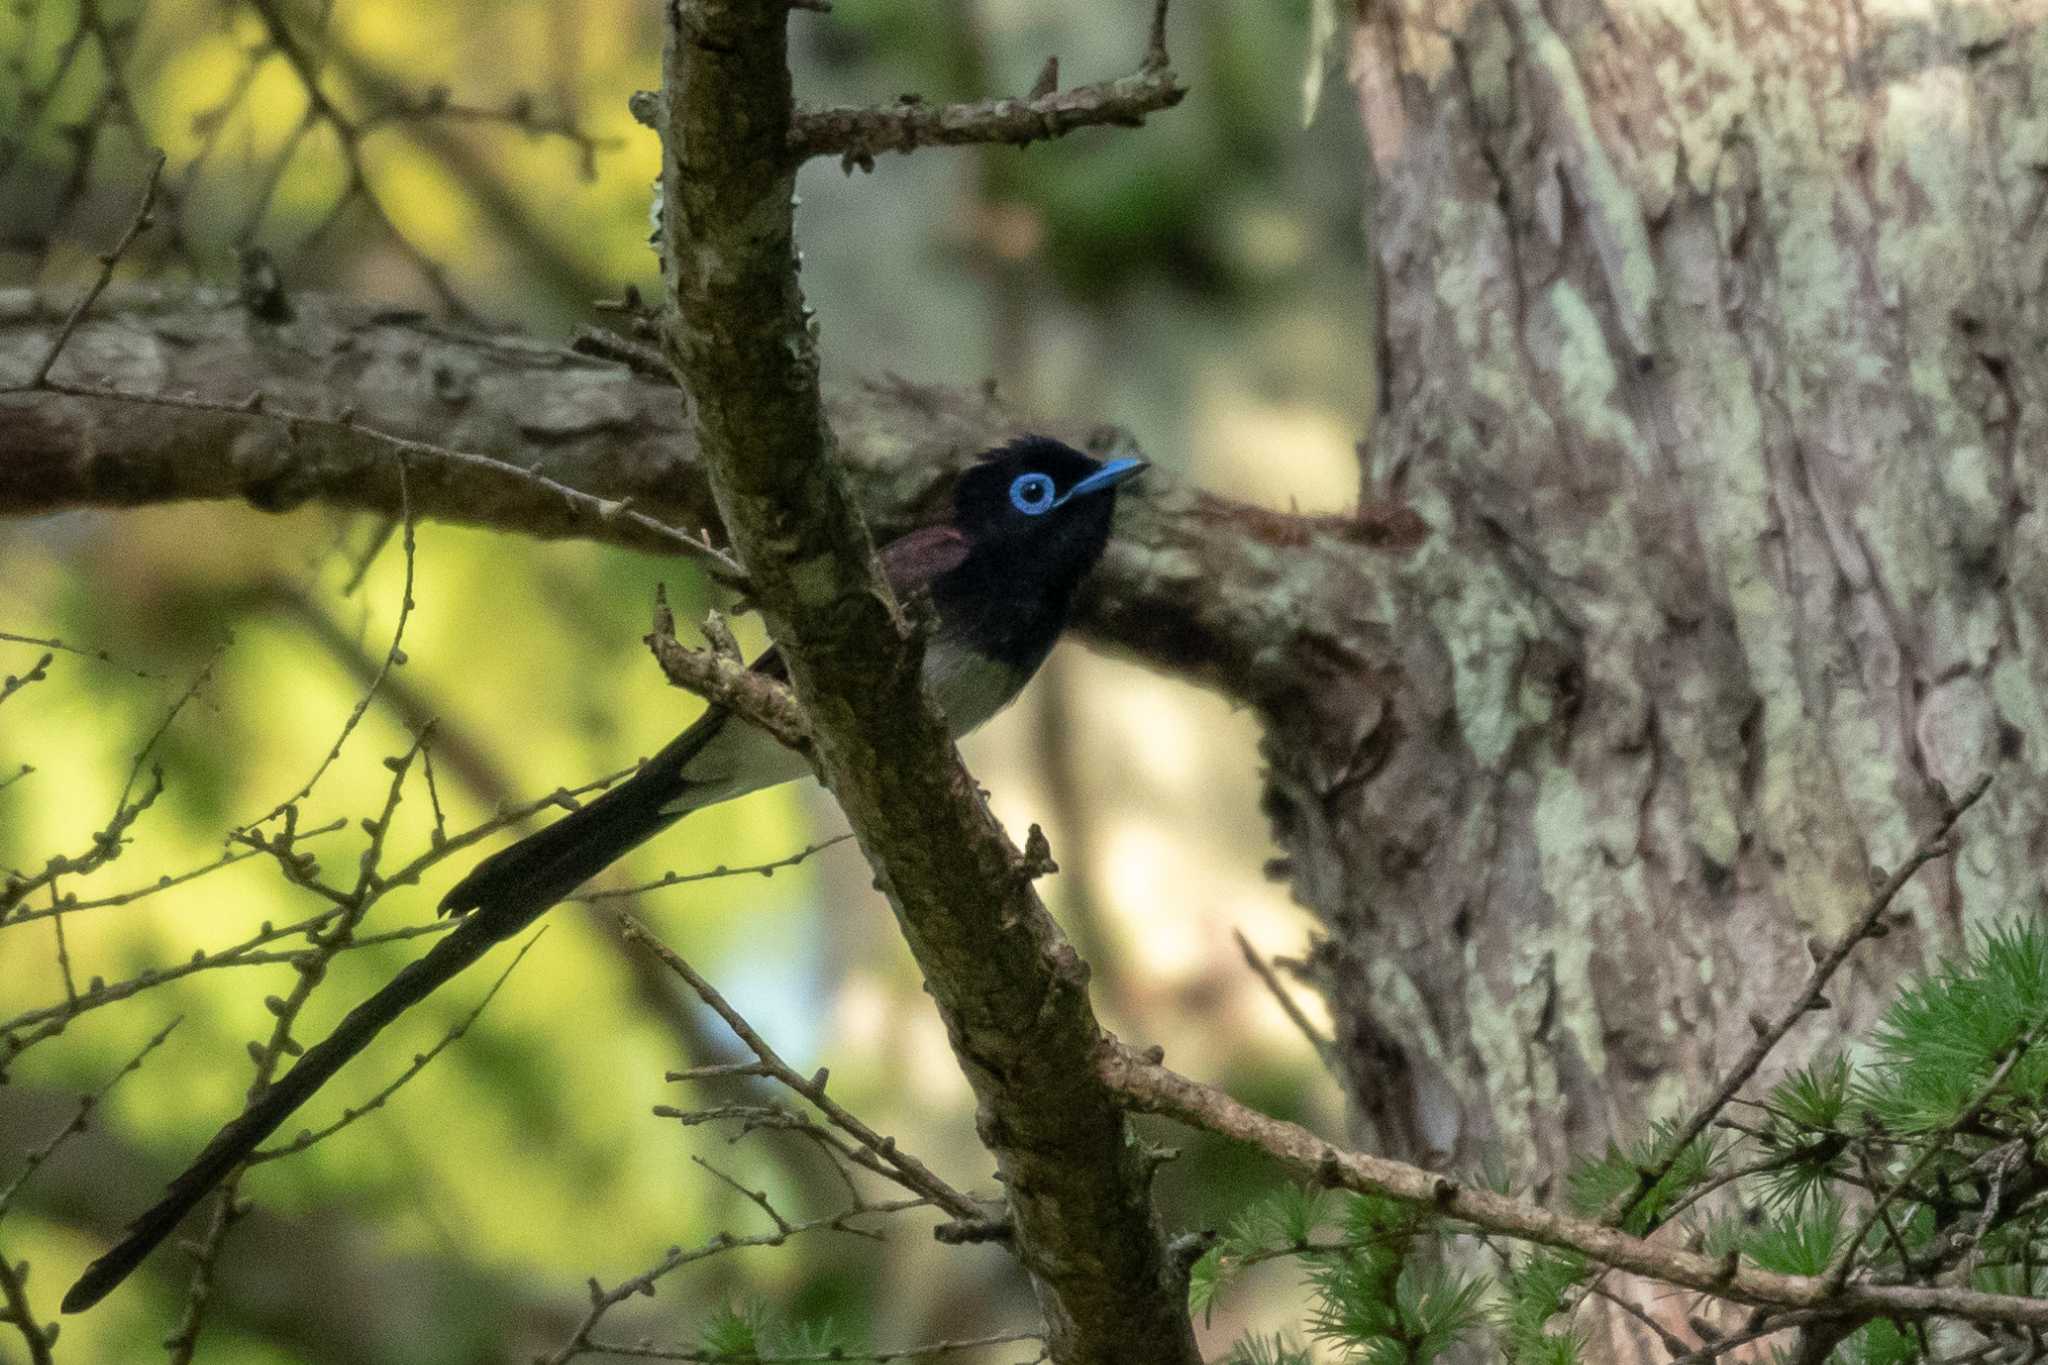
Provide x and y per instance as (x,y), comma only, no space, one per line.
(1032,494)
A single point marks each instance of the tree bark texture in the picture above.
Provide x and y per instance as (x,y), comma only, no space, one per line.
(1713,347)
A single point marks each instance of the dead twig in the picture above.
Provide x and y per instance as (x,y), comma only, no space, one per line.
(108,261)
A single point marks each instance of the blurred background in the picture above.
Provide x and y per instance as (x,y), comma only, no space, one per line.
(1201,282)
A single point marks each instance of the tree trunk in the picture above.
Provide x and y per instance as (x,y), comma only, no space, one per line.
(1713,358)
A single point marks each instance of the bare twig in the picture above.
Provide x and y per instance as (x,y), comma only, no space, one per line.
(39,672)
(70,904)
(603,1300)
(1937,844)
(1769,1327)
(99,655)
(108,261)
(1324,1049)
(393,657)
(419,1063)
(349,135)
(668,879)
(15,1308)
(183,1342)
(1670,1341)
(904,1168)
(636,356)
(86,1105)
(856,134)
(110,839)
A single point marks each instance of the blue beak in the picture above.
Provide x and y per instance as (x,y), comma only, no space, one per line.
(1109,476)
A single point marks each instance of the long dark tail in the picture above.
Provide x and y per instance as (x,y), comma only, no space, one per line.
(506,892)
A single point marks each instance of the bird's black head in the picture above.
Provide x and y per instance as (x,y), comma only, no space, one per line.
(1041,507)
(1035,514)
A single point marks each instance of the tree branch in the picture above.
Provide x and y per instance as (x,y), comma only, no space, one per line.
(1012,991)
(1150,1087)
(856,133)
(1187,586)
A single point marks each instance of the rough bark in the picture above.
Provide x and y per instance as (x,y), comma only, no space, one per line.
(1713,343)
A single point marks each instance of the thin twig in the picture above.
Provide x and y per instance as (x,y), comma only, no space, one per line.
(12,683)
(1769,1327)
(668,879)
(86,1105)
(15,1308)
(603,1300)
(1324,1048)
(1935,845)
(98,655)
(906,1169)
(183,1343)
(393,657)
(140,221)
(856,134)
(70,904)
(419,1063)
(199,680)
(1670,1340)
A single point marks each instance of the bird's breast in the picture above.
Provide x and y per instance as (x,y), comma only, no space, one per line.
(968,685)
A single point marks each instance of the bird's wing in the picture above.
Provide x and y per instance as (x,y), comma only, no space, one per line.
(911,562)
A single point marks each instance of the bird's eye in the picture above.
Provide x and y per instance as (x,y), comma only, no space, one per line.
(1032,494)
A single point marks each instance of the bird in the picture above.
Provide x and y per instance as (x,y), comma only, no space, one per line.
(1028,521)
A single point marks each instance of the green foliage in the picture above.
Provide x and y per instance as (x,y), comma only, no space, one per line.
(1881,1343)
(1595,1187)
(1379,1293)
(1800,1241)
(1943,1039)
(1273,1350)
(750,1331)
(734,1330)
(1956,1162)
(1806,1110)
(1536,1285)
(1373,1298)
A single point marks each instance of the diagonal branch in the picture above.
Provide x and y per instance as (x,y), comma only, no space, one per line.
(1012,990)
(108,261)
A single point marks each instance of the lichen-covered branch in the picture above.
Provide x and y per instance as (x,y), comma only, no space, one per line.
(1188,584)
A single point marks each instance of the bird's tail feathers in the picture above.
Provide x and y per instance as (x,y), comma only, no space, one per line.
(551,862)
(233,1144)
(506,892)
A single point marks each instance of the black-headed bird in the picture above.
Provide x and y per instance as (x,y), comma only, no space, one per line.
(1028,522)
